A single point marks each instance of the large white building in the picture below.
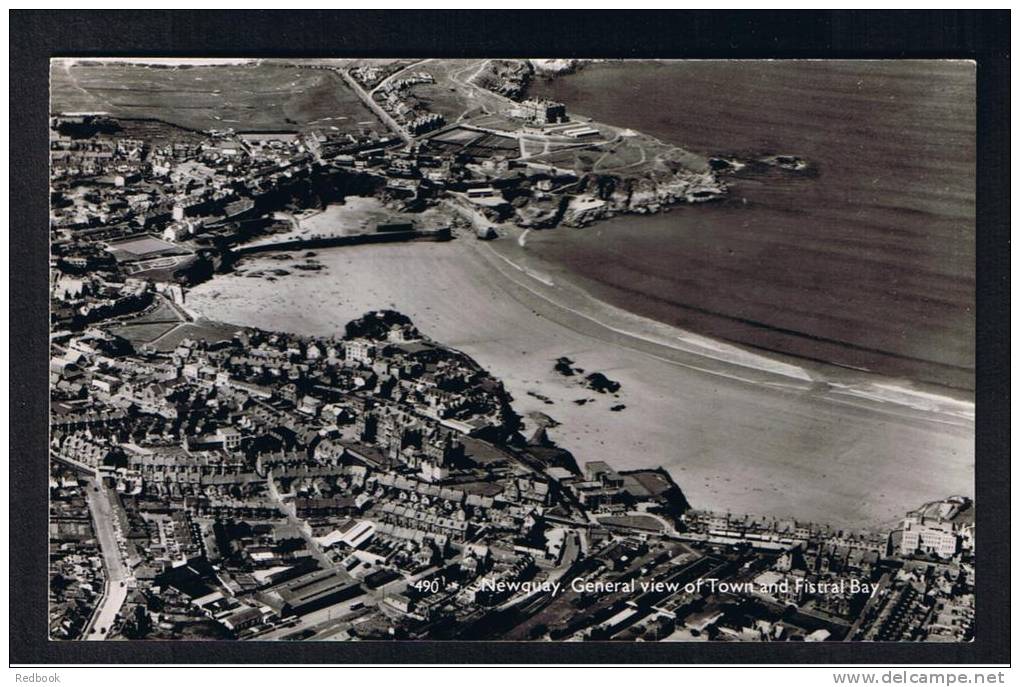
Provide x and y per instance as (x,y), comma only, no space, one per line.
(359,351)
(933,537)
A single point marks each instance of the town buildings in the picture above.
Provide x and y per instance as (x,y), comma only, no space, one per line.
(265,485)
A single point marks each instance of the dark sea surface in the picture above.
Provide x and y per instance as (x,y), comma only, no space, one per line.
(866,261)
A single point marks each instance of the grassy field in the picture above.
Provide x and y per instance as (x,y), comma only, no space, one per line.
(276,94)
(202,330)
(142,332)
(643,522)
(157,133)
(355,215)
(449,95)
(157,321)
(162,312)
(265,96)
(143,247)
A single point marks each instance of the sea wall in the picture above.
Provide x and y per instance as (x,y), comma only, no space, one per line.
(349,240)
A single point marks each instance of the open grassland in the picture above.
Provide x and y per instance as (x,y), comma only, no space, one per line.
(454,95)
(355,215)
(276,94)
(267,95)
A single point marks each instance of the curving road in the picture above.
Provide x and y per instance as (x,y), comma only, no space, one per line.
(375,107)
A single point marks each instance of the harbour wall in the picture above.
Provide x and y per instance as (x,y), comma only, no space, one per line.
(443,234)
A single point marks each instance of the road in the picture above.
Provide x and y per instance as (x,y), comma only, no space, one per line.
(375,107)
(473,91)
(315,621)
(288,510)
(105,519)
(874,599)
(398,73)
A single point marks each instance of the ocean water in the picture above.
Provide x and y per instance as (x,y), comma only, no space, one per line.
(866,262)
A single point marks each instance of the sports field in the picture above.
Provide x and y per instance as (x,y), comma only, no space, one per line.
(145,247)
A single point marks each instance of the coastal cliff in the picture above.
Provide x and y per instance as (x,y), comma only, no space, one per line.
(601,196)
(557,66)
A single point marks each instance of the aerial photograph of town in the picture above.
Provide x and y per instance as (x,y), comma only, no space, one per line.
(511,350)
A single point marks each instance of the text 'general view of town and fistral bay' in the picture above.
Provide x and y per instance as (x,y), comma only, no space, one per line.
(505,349)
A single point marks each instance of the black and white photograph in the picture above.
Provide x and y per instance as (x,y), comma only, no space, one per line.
(512,349)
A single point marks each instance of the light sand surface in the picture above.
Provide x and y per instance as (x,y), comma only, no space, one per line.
(356,215)
(748,438)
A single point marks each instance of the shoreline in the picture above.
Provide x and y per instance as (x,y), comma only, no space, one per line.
(571,295)
(870,273)
(878,388)
(873,386)
(882,393)
(731,437)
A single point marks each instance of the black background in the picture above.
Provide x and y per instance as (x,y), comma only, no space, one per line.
(36,36)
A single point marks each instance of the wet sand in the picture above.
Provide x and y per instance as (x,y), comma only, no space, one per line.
(757,437)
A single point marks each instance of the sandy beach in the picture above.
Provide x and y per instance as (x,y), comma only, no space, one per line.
(738,431)
(356,215)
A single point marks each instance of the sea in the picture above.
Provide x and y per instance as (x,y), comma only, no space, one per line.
(865,259)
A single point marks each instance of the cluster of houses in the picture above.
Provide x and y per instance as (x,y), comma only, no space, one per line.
(267,478)
(76,569)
